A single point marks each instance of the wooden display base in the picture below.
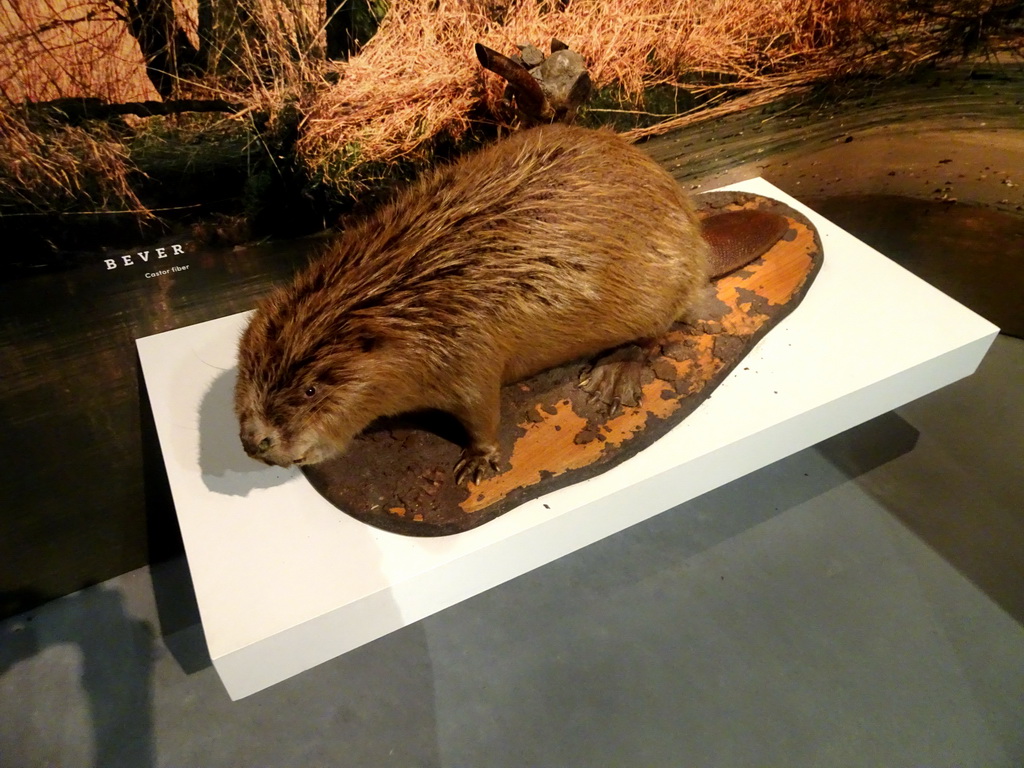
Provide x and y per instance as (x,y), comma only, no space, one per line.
(398,475)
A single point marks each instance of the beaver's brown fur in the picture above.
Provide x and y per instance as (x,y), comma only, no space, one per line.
(554,244)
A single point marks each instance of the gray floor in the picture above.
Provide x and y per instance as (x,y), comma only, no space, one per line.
(859,604)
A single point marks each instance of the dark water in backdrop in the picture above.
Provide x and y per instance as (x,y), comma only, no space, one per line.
(929,171)
(84,492)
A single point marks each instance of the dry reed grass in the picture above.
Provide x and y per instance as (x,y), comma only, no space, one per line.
(413,82)
(417,78)
(66,168)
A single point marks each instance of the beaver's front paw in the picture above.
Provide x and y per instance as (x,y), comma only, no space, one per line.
(476,464)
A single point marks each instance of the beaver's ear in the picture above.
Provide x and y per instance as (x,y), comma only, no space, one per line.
(367,342)
(365,336)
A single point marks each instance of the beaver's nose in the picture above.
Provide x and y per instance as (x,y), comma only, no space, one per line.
(255,444)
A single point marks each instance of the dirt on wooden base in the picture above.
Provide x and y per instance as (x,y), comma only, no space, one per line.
(398,475)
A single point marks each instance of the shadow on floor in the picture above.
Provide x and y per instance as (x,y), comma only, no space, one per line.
(116,668)
(178,614)
(959,490)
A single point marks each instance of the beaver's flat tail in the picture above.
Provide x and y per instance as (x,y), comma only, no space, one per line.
(738,237)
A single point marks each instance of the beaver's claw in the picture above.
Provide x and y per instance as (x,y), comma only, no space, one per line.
(476,464)
(616,380)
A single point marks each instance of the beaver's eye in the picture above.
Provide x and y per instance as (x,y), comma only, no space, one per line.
(310,391)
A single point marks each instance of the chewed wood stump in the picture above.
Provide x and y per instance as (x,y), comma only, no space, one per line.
(398,475)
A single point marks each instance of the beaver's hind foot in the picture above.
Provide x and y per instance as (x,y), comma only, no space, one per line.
(476,464)
(617,379)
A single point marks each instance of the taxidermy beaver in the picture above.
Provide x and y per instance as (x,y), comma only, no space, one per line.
(555,244)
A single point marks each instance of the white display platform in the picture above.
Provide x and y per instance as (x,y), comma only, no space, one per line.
(285,581)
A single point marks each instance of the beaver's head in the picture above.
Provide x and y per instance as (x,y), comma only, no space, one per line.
(306,383)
